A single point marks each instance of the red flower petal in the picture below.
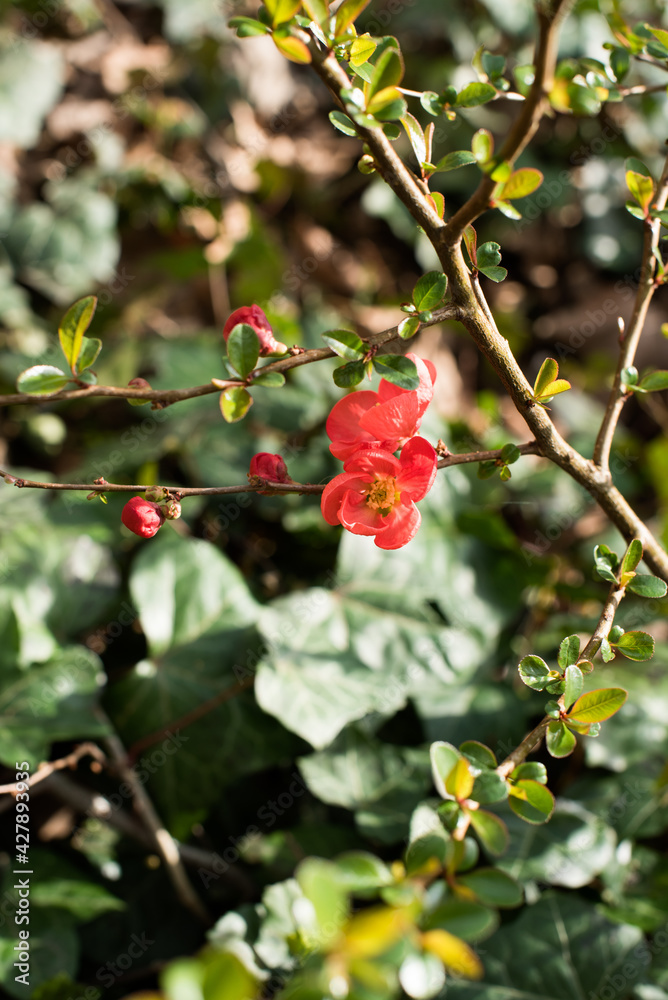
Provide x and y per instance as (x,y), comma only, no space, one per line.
(356,515)
(401,525)
(418,462)
(373,462)
(335,491)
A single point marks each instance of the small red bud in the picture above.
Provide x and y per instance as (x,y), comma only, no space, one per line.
(139,383)
(270,468)
(255,317)
(142,517)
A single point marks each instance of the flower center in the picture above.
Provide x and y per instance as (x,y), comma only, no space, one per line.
(383,494)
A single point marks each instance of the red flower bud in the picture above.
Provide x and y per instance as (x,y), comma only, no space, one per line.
(142,517)
(255,317)
(269,467)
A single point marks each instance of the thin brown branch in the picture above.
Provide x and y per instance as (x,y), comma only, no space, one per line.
(164,842)
(533,739)
(631,337)
(169,396)
(526,123)
(47,769)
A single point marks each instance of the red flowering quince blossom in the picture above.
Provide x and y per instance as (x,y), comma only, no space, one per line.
(385,419)
(269,467)
(255,317)
(143,517)
(376,494)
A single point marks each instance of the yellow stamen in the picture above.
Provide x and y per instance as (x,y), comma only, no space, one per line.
(383,494)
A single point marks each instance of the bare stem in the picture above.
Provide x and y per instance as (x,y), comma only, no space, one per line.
(47,769)
(629,343)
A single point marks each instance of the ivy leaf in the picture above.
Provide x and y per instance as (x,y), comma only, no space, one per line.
(42,380)
(345,343)
(647,586)
(429,290)
(492,831)
(597,706)
(235,403)
(243,349)
(531,801)
(559,740)
(350,375)
(72,327)
(397,369)
(535,672)
(637,646)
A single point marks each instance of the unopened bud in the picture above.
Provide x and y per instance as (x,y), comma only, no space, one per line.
(171,510)
(156,494)
(138,383)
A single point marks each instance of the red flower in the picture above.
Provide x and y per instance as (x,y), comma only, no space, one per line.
(270,467)
(254,316)
(385,419)
(143,517)
(377,492)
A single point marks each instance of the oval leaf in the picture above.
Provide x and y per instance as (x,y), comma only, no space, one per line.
(292,48)
(235,403)
(632,556)
(429,290)
(270,380)
(73,325)
(41,380)
(531,801)
(343,123)
(459,782)
(474,94)
(569,651)
(397,369)
(345,343)
(493,887)
(492,831)
(559,740)
(647,586)
(350,375)
(599,705)
(453,161)
(521,183)
(443,758)
(243,349)
(637,646)
(535,672)
(549,370)
(90,348)
(574,683)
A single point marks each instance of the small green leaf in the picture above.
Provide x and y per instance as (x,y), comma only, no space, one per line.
(360,870)
(574,682)
(654,382)
(494,273)
(408,327)
(431,103)
(620,61)
(293,48)
(489,787)
(607,653)
(73,325)
(270,380)
(477,754)
(522,183)
(90,348)
(246,27)
(569,651)
(531,770)
(42,380)
(493,887)
(430,290)
(507,209)
(482,145)
(642,188)
(549,370)
(531,801)
(362,48)
(397,369)
(459,782)
(597,706)
(243,349)
(343,123)
(346,344)
(235,403)
(489,255)
(647,586)
(346,14)
(629,376)
(636,646)
(632,556)
(493,65)
(492,831)
(387,72)
(505,474)
(534,672)
(349,375)
(475,94)
(553,709)
(524,77)
(634,210)
(281,11)
(424,849)
(387,105)
(510,453)
(416,135)
(559,740)
(443,758)
(453,161)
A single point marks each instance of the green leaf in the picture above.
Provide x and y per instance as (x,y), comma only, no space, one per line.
(489,255)
(510,454)
(443,758)
(482,146)
(642,188)
(247,27)
(318,11)
(535,672)
(387,105)
(493,66)
(477,754)
(293,48)
(489,787)
(269,380)
(84,900)
(620,61)
(416,135)
(569,651)
(73,325)
(597,706)
(235,403)
(494,273)
(320,885)
(281,11)
(459,782)
(431,103)
(343,123)
(647,586)
(549,370)
(493,887)
(522,183)
(387,72)
(346,344)
(492,831)
(507,209)
(397,369)
(531,801)
(359,871)
(408,327)
(42,380)
(349,375)
(607,653)
(243,349)
(346,14)
(637,646)
(362,48)
(559,740)
(654,382)
(632,556)
(573,686)
(453,161)
(90,348)
(423,850)
(429,290)
(530,771)
(475,94)
(464,918)
(635,210)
